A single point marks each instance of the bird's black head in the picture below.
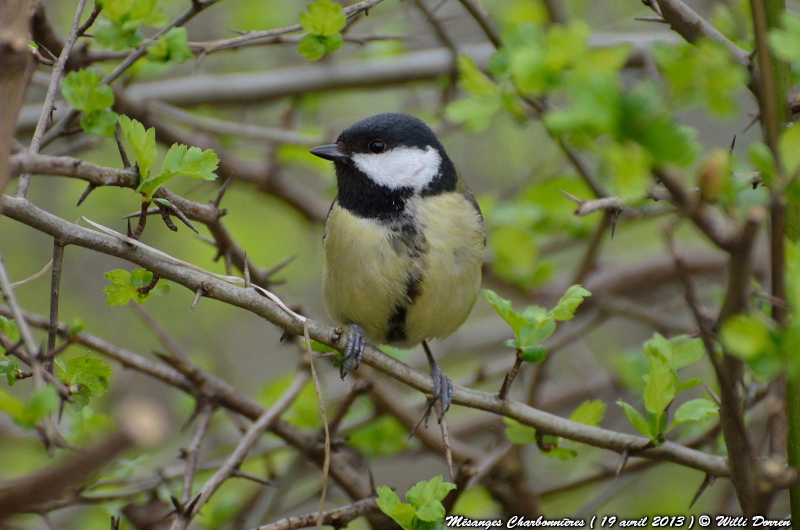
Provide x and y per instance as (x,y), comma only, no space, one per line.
(383,160)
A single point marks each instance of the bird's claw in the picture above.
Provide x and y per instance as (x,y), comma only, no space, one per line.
(442,390)
(354,351)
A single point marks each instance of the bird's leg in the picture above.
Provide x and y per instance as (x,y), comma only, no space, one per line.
(442,385)
(354,351)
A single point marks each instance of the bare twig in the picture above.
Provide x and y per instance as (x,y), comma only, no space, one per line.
(226,292)
(233,462)
(318,391)
(510,377)
(338,518)
(137,54)
(249,37)
(55,78)
(55,291)
(206,410)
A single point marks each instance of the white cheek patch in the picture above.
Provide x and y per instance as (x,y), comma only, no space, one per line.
(402,167)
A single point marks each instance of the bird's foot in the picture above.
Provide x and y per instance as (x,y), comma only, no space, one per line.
(354,351)
(442,390)
(442,396)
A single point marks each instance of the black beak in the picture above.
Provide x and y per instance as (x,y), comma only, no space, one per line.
(330,152)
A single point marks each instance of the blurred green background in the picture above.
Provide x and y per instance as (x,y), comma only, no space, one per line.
(535,242)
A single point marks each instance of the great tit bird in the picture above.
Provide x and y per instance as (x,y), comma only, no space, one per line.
(404,240)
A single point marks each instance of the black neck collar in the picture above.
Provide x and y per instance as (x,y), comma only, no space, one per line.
(364,198)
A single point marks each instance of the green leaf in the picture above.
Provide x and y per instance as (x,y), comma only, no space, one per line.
(518,433)
(745,336)
(426,498)
(472,79)
(761,157)
(170,47)
(565,309)
(659,390)
(86,376)
(100,122)
(143,144)
(503,308)
(636,418)
(44,401)
(628,165)
(191,162)
(89,372)
(390,504)
(124,285)
(84,91)
(785,43)
(323,17)
(380,437)
(541,324)
(311,46)
(702,72)
(10,330)
(589,413)
(687,353)
(9,367)
(182,160)
(658,346)
(118,36)
(315,46)
(695,410)
(304,411)
(533,353)
(789,147)
(688,384)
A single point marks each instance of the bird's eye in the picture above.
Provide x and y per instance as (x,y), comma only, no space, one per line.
(377,146)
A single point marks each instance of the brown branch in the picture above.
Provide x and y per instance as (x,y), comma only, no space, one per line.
(17,65)
(49,99)
(480,15)
(18,496)
(718,228)
(59,128)
(98,176)
(251,36)
(55,291)
(337,518)
(264,422)
(206,410)
(692,27)
(744,473)
(191,278)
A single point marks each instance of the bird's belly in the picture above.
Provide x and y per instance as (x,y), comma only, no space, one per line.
(448,292)
(364,276)
(367,276)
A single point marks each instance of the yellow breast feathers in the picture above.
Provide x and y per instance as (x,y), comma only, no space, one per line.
(409,279)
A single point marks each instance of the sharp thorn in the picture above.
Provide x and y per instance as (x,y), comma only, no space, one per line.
(709,480)
(733,143)
(218,199)
(571,197)
(122,154)
(614,218)
(623,463)
(89,189)
(280,266)
(130,232)
(185,220)
(197,295)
